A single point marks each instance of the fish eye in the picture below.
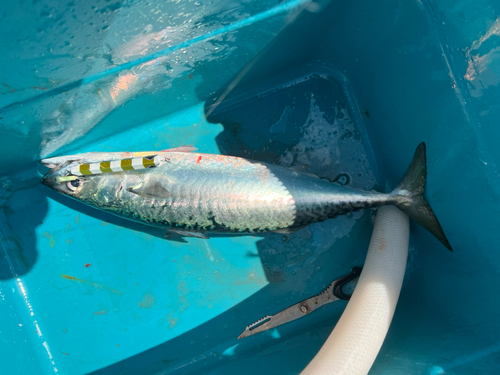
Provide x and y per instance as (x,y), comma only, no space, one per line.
(74,184)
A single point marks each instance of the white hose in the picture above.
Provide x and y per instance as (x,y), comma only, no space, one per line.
(355,341)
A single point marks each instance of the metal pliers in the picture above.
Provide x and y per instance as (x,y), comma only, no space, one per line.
(331,294)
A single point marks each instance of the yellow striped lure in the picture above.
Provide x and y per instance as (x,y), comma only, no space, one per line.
(129,164)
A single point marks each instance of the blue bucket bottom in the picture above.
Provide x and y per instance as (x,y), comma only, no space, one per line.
(93,292)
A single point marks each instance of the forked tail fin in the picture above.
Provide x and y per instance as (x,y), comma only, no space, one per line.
(409,196)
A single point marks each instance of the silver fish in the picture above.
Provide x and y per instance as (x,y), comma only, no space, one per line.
(195,193)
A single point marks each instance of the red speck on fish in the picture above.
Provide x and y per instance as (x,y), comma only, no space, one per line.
(87,265)
(199,159)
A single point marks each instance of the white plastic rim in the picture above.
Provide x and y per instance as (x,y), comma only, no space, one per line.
(355,341)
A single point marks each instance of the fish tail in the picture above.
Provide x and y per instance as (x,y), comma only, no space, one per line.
(409,196)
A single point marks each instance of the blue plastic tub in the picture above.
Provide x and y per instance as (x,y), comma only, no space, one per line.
(345,89)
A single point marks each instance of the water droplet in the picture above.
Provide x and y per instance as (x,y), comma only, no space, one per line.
(342,179)
(348,134)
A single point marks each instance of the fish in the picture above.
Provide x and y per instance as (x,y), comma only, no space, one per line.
(196,194)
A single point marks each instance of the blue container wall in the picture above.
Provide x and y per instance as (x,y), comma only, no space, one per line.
(83,291)
(81,295)
(73,66)
(429,72)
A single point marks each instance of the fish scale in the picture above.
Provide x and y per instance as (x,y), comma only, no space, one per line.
(199,201)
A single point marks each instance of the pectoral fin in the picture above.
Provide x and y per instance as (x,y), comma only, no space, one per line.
(152,189)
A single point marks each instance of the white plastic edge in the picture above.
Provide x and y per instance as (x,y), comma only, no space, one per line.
(355,341)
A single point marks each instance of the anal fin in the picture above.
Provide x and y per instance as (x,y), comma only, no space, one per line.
(187,233)
(289,230)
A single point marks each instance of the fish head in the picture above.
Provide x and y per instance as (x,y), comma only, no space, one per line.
(100,190)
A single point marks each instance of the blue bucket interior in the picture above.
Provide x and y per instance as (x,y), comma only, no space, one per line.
(343,90)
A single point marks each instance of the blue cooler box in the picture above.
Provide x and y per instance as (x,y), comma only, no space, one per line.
(344,89)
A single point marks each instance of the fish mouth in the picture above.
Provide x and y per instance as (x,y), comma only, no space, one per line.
(49,179)
(55,176)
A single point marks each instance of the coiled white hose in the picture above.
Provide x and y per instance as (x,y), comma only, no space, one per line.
(355,341)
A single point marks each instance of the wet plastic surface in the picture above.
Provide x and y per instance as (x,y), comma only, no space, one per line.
(192,297)
(346,91)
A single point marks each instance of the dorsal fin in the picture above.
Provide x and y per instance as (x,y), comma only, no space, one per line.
(303,169)
(185,148)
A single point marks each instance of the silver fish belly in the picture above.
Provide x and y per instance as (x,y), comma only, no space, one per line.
(208,193)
